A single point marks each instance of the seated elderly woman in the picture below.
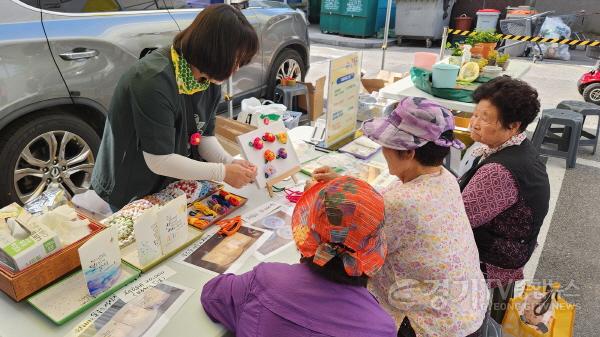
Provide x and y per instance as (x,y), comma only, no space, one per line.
(338,229)
(506,192)
(431,282)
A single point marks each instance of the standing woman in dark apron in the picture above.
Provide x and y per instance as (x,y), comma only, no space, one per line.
(161,121)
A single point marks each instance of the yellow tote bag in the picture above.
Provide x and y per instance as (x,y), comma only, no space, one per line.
(560,325)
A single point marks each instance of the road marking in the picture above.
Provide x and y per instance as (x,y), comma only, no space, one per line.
(556,174)
(587,162)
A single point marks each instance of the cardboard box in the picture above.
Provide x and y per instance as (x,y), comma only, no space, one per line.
(383,78)
(316,93)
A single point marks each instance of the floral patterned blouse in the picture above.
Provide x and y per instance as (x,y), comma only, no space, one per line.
(432,273)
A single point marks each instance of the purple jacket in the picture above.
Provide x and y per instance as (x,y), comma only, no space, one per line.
(278,299)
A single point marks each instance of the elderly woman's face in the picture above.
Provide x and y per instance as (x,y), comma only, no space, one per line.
(398,163)
(486,127)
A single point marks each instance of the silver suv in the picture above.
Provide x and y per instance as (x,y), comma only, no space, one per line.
(61,59)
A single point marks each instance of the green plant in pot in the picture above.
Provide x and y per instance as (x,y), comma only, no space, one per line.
(487,39)
(492,58)
(503,61)
(456,53)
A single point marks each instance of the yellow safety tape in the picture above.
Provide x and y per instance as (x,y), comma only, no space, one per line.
(571,42)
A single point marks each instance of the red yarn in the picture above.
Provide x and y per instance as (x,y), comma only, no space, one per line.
(293,196)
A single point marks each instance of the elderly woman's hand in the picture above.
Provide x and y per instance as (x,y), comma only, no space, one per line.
(309,183)
(324,174)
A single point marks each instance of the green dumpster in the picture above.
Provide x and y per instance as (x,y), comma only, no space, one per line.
(358,18)
(330,16)
(314,10)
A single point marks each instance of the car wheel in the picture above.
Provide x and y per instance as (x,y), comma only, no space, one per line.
(288,63)
(44,150)
(592,93)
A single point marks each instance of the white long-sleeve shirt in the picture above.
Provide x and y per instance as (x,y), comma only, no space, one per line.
(181,167)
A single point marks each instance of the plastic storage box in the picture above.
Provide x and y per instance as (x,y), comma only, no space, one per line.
(487,20)
(291,119)
(444,75)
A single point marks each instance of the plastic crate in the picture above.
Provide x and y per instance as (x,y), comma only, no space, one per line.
(291,119)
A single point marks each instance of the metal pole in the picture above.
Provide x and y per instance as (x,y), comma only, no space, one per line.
(443,47)
(229,96)
(386,32)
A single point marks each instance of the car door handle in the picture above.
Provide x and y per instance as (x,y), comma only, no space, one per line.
(79,54)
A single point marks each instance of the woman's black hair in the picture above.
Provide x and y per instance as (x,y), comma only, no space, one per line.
(515,100)
(334,271)
(218,41)
(431,154)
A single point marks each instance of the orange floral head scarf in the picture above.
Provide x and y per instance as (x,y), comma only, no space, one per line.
(343,217)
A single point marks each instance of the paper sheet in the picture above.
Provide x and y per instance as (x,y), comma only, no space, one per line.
(141,309)
(216,254)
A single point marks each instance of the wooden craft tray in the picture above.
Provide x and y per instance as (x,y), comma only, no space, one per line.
(220,217)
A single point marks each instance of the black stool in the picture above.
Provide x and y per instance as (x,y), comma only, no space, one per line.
(567,142)
(585,109)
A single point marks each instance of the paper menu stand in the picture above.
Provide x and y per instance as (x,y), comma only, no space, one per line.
(147,237)
(101,261)
(172,224)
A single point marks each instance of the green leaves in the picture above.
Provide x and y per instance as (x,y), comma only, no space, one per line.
(483,37)
(456,50)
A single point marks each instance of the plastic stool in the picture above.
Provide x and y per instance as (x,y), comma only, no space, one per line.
(585,109)
(289,92)
(568,142)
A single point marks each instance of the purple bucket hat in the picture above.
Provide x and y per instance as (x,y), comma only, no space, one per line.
(413,123)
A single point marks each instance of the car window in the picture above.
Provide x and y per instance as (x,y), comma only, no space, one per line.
(182,4)
(92,6)
(32,3)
